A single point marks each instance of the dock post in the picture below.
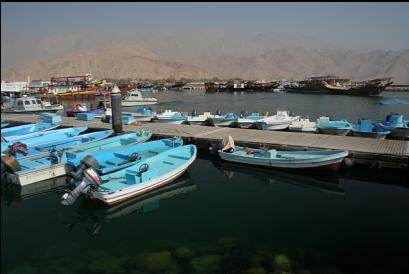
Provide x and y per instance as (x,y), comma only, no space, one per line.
(116,105)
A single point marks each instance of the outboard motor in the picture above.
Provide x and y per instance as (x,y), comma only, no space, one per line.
(194,112)
(214,148)
(87,162)
(54,159)
(90,182)
(243,113)
(218,112)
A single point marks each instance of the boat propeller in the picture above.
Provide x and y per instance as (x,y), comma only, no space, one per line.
(91,180)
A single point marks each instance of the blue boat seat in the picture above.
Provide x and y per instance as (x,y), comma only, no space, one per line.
(272,153)
(178,157)
(128,141)
(133,177)
(115,161)
(122,156)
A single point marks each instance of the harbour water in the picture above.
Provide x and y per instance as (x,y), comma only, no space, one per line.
(221,217)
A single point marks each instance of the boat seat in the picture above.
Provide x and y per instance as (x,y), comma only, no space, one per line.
(115,161)
(178,157)
(122,156)
(128,141)
(133,177)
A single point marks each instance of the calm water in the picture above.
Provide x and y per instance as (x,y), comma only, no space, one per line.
(221,217)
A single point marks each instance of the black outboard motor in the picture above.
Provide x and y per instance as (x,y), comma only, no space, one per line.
(243,113)
(87,162)
(54,159)
(218,112)
(90,182)
(194,112)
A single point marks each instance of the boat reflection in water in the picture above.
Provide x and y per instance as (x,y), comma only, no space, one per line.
(324,181)
(14,194)
(94,214)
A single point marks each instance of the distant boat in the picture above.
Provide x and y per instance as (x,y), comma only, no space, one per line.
(250,120)
(303,125)
(366,88)
(84,108)
(330,159)
(398,126)
(29,104)
(26,129)
(135,180)
(54,136)
(325,126)
(135,98)
(280,121)
(171,117)
(226,120)
(199,119)
(366,128)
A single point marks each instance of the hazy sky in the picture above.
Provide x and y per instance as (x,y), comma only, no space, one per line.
(367,25)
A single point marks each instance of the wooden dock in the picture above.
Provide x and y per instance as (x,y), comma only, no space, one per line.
(368,151)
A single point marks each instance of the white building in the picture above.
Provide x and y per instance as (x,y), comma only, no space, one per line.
(13,89)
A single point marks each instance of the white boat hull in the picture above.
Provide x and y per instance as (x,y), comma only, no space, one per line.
(31,177)
(334,131)
(273,126)
(303,129)
(221,122)
(139,189)
(138,103)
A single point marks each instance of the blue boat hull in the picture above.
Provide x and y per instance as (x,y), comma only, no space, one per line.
(24,129)
(60,145)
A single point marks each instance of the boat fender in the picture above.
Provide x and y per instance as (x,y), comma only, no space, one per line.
(11,163)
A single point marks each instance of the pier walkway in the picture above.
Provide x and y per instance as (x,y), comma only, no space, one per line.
(373,152)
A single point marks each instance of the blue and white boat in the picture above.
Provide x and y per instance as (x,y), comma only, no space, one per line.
(398,126)
(37,140)
(21,138)
(36,169)
(138,179)
(24,129)
(325,126)
(226,120)
(330,159)
(111,160)
(171,117)
(43,149)
(366,128)
(250,120)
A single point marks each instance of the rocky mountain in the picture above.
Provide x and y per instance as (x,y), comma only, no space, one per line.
(193,55)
